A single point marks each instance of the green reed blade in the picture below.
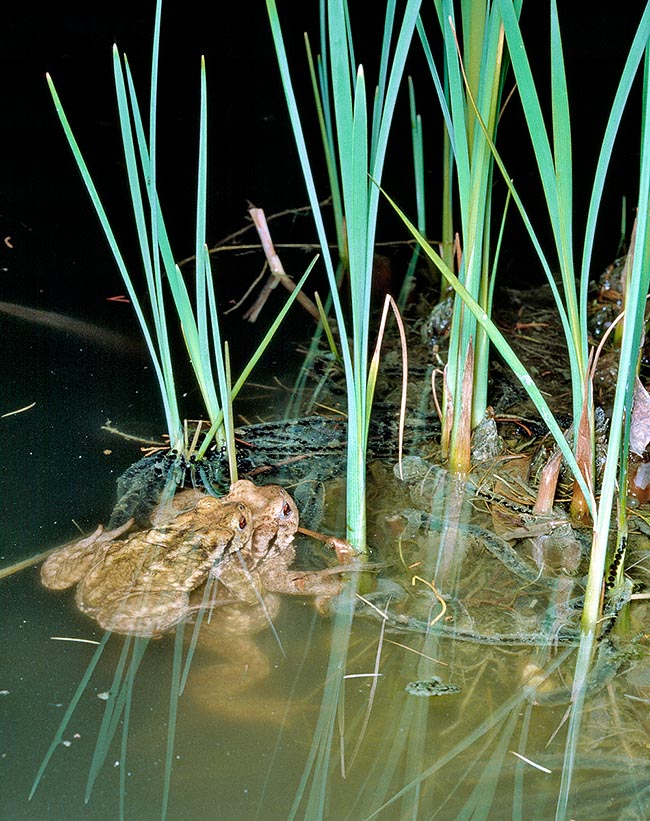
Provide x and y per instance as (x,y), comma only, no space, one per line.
(417,142)
(357,159)
(223,367)
(555,171)
(197,346)
(448,150)
(169,400)
(117,708)
(201,200)
(482,60)
(579,692)
(633,330)
(495,717)
(58,736)
(104,738)
(303,155)
(384,66)
(317,766)
(325,123)
(502,345)
(437,83)
(356,211)
(174,693)
(326,330)
(562,313)
(628,75)
(217,422)
(174,279)
(203,273)
(563,165)
(480,802)
(148,251)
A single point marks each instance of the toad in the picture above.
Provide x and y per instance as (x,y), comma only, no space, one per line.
(69,564)
(141,585)
(264,565)
(147,582)
(246,601)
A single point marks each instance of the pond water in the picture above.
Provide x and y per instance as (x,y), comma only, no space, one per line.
(243,746)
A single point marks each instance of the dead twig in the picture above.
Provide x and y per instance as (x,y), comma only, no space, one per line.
(18,410)
(278,274)
(131,438)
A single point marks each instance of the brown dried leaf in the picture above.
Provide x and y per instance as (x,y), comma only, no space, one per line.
(640,424)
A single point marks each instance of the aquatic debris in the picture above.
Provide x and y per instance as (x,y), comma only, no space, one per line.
(19,410)
(433,686)
(532,763)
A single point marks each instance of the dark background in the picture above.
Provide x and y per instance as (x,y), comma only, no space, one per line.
(43,202)
(59,256)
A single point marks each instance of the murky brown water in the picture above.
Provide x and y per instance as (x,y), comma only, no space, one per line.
(448,752)
(251,754)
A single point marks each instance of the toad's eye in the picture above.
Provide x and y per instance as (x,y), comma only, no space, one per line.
(286,510)
(242,522)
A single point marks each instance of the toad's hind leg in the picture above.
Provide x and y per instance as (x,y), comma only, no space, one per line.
(237,676)
(70,563)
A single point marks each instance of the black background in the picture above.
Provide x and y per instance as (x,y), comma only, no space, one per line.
(59,258)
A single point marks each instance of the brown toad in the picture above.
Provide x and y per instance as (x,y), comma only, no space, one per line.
(263,566)
(141,585)
(246,600)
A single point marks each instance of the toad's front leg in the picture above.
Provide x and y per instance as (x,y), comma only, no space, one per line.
(321,585)
(345,552)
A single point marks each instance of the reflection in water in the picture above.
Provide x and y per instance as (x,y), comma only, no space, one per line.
(445,753)
(248,713)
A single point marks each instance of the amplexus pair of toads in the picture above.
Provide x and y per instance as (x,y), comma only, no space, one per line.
(144,583)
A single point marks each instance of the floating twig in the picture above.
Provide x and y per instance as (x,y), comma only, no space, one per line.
(131,438)
(19,410)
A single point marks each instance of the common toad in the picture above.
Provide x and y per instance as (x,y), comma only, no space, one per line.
(266,560)
(141,585)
